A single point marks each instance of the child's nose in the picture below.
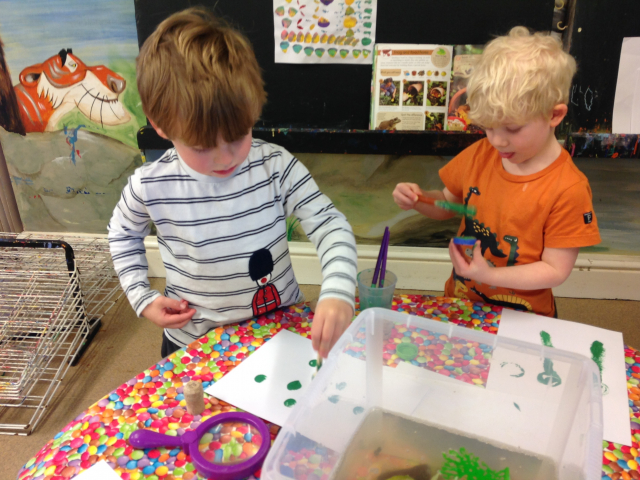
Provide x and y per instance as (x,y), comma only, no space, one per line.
(225,157)
(499,140)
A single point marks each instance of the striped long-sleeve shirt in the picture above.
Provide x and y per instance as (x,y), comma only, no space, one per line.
(223,241)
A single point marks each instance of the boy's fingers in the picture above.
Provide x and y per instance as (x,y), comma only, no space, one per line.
(170,303)
(316,332)
(327,337)
(337,333)
(456,257)
(179,320)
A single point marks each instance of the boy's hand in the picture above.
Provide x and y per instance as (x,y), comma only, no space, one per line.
(331,319)
(406,195)
(477,270)
(168,312)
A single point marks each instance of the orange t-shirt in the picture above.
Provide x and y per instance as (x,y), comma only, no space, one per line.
(518,216)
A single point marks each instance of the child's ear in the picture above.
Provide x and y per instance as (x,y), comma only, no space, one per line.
(557,114)
(158,130)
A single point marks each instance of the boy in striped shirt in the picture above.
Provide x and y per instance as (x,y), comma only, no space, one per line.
(220,199)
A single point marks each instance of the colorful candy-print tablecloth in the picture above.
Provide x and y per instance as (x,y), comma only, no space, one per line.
(154,399)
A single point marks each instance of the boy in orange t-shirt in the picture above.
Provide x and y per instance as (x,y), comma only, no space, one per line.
(534,207)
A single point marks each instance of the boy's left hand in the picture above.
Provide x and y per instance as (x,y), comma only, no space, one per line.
(478,270)
(330,320)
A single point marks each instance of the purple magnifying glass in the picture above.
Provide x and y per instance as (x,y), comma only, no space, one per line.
(229,446)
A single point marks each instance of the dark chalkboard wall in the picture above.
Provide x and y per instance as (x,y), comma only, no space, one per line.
(338,96)
(596,39)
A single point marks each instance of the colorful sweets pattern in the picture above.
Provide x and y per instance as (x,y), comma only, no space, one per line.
(230,443)
(154,399)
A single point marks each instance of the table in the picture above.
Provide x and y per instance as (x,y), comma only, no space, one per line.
(154,399)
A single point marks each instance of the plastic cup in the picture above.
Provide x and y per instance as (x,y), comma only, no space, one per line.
(374,296)
(465,246)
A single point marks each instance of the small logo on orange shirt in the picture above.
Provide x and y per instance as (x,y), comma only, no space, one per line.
(588,217)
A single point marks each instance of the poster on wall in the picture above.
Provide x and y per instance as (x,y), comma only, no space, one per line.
(410,87)
(70,109)
(324,31)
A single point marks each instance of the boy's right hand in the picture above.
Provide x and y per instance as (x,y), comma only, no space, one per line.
(168,312)
(406,195)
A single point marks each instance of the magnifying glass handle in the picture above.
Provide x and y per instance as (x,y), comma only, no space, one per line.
(149,439)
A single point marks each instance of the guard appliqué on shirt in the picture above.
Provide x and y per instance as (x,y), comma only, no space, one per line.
(588,217)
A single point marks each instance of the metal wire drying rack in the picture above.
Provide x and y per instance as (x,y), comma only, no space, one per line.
(100,285)
(47,318)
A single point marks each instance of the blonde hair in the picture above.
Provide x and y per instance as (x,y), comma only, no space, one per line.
(199,78)
(519,77)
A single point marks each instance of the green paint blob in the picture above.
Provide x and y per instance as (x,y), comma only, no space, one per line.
(408,351)
(260,378)
(295,385)
(546,339)
(597,354)
(517,406)
(341,385)
(313,363)
(358,410)
(334,398)
(290,402)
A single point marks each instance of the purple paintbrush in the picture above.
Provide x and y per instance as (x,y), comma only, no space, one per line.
(376,272)
(383,267)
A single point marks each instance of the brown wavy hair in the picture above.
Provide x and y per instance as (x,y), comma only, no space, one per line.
(199,78)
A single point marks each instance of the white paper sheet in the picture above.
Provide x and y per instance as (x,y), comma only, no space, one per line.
(626,106)
(324,31)
(580,338)
(283,360)
(98,471)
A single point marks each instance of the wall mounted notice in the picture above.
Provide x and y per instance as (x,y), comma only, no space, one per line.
(410,89)
(324,31)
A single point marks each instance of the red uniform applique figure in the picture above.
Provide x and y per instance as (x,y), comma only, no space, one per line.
(267,297)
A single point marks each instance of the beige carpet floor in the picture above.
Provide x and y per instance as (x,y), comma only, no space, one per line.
(126,345)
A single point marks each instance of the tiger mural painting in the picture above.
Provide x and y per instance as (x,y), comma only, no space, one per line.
(49,90)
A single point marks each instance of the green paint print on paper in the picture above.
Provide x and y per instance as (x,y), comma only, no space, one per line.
(290,402)
(546,339)
(517,406)
(313,363)
(295,385)
(357,410)
(549,376)
(341,385)
(260,378)
(597,355)
(334,398)
(515,375)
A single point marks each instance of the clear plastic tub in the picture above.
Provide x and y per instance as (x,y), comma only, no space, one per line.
(404,395)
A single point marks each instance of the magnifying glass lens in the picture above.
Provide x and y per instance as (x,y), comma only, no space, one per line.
(230,443)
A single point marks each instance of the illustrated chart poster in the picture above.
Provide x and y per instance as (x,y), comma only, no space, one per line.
(272,379)
(604,347)
(324,31)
